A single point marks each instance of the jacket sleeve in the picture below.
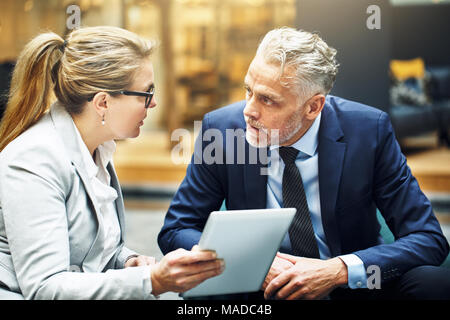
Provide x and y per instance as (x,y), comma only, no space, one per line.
(407,211)
(123,256)
(200,193)
(33,188)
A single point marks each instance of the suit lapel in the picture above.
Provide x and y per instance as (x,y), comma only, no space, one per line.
(119,201)
(64,125)
(331,160)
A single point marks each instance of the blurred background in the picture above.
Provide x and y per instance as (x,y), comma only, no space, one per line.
(400,64)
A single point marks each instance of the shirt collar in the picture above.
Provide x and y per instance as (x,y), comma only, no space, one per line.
(105,152)
(310,140)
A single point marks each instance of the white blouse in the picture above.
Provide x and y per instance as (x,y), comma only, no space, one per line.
(105,195)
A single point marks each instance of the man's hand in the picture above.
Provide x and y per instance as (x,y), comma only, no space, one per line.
(307,278)
(140,261)
(181,270)
(278,266)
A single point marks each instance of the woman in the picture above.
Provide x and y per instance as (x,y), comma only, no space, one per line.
(61,209)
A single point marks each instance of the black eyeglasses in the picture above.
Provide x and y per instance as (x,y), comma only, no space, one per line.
(148,95)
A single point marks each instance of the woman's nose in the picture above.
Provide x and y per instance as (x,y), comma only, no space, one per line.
(153,103)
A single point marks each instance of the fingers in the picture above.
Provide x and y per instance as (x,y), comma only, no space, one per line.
(131,263)
(187,257)
(181,270)
(269,277)
(288,257)
(278,266)
(140,261)
(266,282)
(196,248)
(276,284)
(296,295)
(194,280)
(184,277)
(291,290)
(198,268)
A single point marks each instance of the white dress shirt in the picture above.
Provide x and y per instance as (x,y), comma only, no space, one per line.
(105,195)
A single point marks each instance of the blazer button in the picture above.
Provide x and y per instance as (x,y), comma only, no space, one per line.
(74,268)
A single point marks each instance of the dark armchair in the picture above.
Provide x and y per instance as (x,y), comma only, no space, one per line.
(421,107)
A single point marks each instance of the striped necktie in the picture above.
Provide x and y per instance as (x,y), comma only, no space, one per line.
(301,232)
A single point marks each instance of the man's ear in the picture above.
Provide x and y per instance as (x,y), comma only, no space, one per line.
(315,106)
(100,103)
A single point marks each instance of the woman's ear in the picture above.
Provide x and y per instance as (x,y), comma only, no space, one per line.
(100,103)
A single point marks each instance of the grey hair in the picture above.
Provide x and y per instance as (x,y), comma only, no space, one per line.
(314,62)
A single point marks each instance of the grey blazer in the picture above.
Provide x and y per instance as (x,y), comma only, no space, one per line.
(51,231)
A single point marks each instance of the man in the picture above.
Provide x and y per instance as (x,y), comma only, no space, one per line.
(339,162)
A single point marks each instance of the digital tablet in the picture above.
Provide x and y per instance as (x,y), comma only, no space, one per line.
(248,241)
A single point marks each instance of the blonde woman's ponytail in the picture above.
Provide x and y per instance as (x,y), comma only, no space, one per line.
(32,86)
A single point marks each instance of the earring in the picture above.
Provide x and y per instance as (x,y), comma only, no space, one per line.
(103,120)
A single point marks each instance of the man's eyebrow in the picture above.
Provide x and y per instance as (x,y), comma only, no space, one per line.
(270,96)
(264,92)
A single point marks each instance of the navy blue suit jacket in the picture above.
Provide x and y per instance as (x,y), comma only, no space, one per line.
(361,168)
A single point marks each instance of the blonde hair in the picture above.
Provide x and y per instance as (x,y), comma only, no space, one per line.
(91,60)
(313,60)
